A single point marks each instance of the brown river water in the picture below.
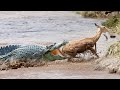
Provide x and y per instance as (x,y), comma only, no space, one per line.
(44,27)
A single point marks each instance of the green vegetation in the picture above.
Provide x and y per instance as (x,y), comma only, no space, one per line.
(114,50)
(97,14)
(92,14)
(112,22)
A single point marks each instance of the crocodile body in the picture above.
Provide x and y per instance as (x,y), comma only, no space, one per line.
(29,52)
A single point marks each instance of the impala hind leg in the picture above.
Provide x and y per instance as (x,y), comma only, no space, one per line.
(95,48)
(71,56)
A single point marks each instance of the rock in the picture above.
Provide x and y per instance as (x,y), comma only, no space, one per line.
(113,69)
(108,63)
(4,67)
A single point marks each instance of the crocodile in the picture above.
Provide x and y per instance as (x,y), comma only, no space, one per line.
(29,53)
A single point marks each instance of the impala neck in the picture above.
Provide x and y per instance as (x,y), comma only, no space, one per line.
(97,36)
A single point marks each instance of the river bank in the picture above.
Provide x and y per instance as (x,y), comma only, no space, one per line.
(59,70)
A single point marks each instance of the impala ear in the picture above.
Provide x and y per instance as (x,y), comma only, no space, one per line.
(96,25)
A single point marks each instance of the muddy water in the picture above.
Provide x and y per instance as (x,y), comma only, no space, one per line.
(42,27)
(58,71)
(46,26)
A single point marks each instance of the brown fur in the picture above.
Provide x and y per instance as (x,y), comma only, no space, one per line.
(79,46)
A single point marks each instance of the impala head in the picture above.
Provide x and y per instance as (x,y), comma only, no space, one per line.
(104,30)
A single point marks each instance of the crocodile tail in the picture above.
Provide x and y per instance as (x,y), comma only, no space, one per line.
(4,57)
(7,49)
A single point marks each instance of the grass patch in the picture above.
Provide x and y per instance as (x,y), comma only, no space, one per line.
(113,23)
(92,14)
(114,50)
(97,14)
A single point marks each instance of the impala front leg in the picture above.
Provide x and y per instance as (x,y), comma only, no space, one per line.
(95,48)
(93,51)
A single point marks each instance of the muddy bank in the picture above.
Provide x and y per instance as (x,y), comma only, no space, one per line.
(58,70)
